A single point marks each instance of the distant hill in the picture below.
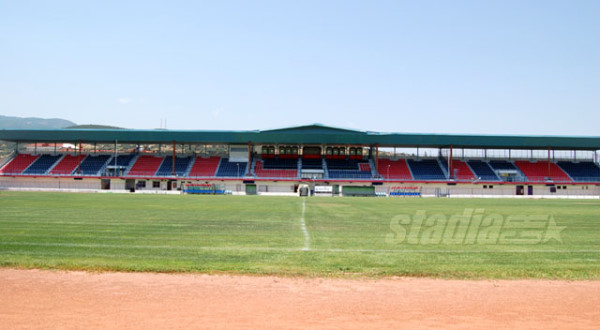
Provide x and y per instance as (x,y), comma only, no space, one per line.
(91,126)
(33,123)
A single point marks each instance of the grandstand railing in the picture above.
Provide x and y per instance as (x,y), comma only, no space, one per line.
(276,174)
(8,158)
(546,179)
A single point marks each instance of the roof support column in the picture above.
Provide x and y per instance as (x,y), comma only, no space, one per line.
(249,158)
(174,153)
(79,158)
(450,173)
(116,155)
(549,171)
(377,156)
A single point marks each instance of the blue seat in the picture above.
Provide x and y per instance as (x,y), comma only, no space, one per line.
(581,171)
(91,165)
(502,165)
(483,170)
(312,164)
(181,165)
(426,169)
(280,164)
(342,164)
(231,169)
(42,164)
(347,169)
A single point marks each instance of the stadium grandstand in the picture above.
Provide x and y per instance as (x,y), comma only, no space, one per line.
(329,160)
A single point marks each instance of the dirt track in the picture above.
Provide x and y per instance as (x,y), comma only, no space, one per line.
(57,299)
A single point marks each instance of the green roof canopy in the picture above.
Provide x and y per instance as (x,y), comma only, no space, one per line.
(309,134)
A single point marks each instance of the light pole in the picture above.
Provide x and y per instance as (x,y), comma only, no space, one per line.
(238,169)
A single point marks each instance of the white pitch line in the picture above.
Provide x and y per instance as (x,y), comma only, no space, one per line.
(304,230)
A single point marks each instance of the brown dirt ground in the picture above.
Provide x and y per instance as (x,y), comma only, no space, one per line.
(70,300)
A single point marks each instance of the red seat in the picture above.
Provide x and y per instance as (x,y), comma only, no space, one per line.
(19,164)
(273,173)
(146,165)
(394,169)
(542,171)
(461,171)
(205,167)
(67,164)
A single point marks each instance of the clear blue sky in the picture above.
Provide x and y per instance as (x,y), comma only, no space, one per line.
(506,67)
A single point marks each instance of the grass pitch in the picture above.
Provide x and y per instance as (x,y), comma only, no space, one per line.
(372,237)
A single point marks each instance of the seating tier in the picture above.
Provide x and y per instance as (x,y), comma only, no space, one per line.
(542,171)
(231,169)
(426,169)
(181,165)
(205,167)
(394,169)
(146,166)
(42,164)
(483,171)
(18,164)
(67,165)
(581,171)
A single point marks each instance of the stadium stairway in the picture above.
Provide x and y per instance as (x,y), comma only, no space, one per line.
(325,169)
(374,172)
(253,167)
(443,163)
(110,161)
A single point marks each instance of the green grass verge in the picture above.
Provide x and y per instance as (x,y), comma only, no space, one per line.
(362,237)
